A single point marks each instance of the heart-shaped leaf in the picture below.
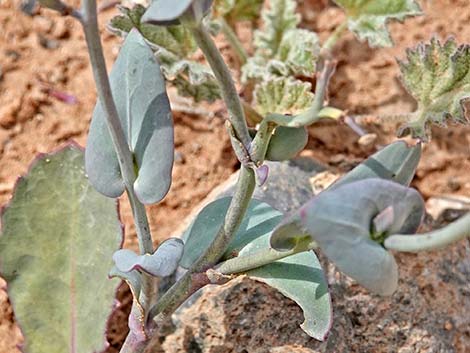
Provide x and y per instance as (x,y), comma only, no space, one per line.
(260,219)
(300,278)
(163,262)
(340,221)
(55,252)
(368,19)
(144,111)
(168,12)
(396,162)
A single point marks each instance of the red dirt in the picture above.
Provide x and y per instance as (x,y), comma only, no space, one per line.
(32,120)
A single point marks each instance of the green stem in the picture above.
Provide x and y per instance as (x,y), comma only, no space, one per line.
(333,39)
(227,86)
(195,277)
(437,239)
(235,43)
(89,21)
(263,257)
(313,113)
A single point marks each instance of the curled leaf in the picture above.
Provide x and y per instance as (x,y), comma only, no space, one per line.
(163,262)
(368,19)
(340,222)
(144,111)
(437,75)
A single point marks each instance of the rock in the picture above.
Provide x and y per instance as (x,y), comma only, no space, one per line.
(430,311)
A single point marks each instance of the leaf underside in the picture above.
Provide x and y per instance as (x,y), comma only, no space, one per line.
(144,112)
(300,278)
(55,253)
(437,75)
(368,19)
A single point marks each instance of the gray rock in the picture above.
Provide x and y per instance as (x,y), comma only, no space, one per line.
(430,311)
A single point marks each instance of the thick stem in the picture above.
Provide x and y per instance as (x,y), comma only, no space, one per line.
(261,258)
(232,38)
(194,278)
(437,239)
(227,86)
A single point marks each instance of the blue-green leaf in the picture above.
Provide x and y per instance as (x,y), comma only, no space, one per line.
(300,278)
(55,253)
(260,219)
(396,162)
(286,142)
(340,221)
(144,111)
(167,12)
(163,262)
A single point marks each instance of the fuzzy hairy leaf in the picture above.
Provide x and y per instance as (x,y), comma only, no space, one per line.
(237,10)
(299,50)
(173,46)
(368,18)
(260,219)
(278,19)
(437,75)
(55,252)
(340,221)
(144,111)
(300,278)
(163,262)
(282,95)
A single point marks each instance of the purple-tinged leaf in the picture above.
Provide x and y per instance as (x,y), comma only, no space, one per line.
(55,252)
(340,222)
(262,173)
(163,262)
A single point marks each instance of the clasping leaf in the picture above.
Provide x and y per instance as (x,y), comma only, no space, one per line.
(144,111)
(340,222)
(163,262)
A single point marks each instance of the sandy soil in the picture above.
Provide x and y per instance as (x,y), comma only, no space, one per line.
(44,55)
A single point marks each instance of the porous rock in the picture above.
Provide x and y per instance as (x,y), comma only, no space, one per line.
(430,311)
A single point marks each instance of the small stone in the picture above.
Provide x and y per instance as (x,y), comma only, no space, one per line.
(448,326)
